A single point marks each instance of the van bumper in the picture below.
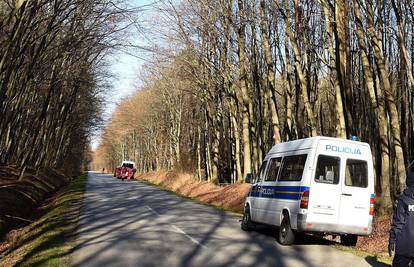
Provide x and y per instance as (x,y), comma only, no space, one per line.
(304,226)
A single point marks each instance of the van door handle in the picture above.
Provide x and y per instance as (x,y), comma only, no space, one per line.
(346,194)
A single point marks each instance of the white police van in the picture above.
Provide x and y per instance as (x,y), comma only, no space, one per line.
(318,184)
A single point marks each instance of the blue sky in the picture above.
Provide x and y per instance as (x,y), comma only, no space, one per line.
(125,69)
(125,65)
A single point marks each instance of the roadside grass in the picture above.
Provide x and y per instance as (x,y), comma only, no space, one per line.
(372,258)
(48,240)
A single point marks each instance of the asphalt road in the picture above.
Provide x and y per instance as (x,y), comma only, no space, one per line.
(133,224)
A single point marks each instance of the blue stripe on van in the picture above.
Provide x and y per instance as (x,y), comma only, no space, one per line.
(279,192)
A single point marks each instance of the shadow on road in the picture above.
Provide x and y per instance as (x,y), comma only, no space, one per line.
(132,224)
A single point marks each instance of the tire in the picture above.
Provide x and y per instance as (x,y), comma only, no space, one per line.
(247,223)
(349,240)
(286,235)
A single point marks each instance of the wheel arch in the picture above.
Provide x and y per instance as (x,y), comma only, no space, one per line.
(285,211)
(247,203)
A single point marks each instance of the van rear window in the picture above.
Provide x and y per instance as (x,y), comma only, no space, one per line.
(356,173)
(327,170)
(292,168)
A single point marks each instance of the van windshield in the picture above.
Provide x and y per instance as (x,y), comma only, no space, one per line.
(356,173)
(261,172)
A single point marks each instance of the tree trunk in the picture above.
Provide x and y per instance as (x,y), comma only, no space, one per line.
(376,42)
(271,82)
(385,202)
(340,126)
(342,61)
(244,91)
(299,69)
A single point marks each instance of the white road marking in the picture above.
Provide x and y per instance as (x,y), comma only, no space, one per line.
(118,209)
(178,230)
(188,236)
(153,211)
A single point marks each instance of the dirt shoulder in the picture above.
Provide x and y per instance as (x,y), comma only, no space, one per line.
(231,198)
(48,240)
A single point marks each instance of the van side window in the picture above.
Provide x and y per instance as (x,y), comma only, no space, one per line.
(356,173)
(292,168)
(327,170)
(274,167)
(262,172)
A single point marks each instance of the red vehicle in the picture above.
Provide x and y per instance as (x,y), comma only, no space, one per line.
(126,170)
(130,173)
(117,173)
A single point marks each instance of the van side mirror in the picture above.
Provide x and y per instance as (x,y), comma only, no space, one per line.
(249,178)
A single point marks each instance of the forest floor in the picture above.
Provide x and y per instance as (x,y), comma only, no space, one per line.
(46,241)
(231,198)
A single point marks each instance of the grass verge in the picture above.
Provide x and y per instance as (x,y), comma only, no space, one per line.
(370,258)
(48,240)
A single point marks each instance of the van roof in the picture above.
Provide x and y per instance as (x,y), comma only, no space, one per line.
(128,162)
(308,143)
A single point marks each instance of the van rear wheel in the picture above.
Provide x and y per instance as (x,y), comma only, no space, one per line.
(286,234)
(349,240)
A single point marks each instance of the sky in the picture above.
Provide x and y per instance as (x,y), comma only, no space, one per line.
(125,66)
(124,81)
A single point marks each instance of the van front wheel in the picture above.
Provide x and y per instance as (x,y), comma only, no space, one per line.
(286,234)
(247,224)
(349,240)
